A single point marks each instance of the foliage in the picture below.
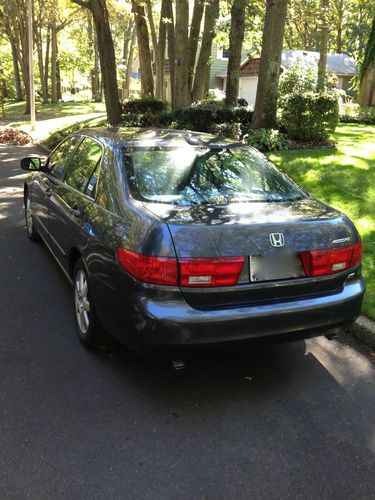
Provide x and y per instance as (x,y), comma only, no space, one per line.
(202,117)
(344,178)
(353,113)
(267,139)
(144,105)
(230,130)
(297,80)
(369,58)
(10,135)
(58,135)
(310,116)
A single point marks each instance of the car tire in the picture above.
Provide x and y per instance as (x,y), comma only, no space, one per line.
(89,330)
(32,233)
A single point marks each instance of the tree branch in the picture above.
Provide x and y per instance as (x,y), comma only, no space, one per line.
(83,3)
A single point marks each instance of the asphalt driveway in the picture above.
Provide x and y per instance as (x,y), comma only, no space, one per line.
(291,421)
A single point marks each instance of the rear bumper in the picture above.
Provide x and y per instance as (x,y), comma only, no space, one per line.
(170,328)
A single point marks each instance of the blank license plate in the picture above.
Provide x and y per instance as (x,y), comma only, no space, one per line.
(275,266)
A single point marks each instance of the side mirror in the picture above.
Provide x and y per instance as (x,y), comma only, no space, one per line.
(31,163)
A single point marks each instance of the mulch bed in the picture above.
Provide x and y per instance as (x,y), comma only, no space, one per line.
(14,137)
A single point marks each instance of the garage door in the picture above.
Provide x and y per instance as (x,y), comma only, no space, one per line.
(248,88)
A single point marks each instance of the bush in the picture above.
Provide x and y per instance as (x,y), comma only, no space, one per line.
(230,130)
(202,117)
(144,105)
(267,139)
(301,78)
(353,113)
(309,116)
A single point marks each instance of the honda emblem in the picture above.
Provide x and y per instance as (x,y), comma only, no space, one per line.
(277,239)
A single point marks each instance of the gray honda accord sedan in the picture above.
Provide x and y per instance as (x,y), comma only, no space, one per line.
(177,241)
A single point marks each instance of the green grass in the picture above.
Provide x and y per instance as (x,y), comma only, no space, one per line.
(57,135)
(343,177)
(15,110)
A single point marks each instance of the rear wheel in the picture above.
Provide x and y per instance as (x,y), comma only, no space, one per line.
(89,330)
(29,219)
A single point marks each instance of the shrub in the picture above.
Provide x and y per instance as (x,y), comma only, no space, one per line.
(310,116)
(144,105)
(230,130)
(267,139)
(353,113)
(301,78)
(203,117)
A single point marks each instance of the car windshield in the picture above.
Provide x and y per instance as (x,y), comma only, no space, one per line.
(205,175)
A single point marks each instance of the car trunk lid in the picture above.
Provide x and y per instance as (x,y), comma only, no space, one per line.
(269,235)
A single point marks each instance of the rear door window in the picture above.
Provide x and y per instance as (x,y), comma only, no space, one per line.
(83,168)
(59,159)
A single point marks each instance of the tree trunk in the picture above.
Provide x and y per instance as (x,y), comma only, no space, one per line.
(106,56)
(181,77)
(46,60)
(16,68)
(128,32)
(203,65)
(39,48)
(269,68)
(195,28)
(171,44)
(24,41)
(159,63)
(54,92)
(367,72)
(236,35)
(160,90)
(58,77)
(323,46)
(147,81)
(95,77)
(129,64)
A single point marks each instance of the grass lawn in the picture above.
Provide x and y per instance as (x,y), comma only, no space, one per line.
(15,111)
(343,177)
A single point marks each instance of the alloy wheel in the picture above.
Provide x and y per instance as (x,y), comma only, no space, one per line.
(82,302)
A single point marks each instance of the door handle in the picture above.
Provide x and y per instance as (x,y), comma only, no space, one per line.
(75,211)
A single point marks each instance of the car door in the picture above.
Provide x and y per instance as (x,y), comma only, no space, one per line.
(45,181)
(70,197)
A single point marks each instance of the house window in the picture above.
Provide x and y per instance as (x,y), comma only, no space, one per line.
(223,54)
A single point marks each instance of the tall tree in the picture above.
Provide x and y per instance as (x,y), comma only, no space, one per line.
(147,81)
(367,72)
(236,35)
(323,46)
(200,85)
(181,77)
(107,57)
(269,68)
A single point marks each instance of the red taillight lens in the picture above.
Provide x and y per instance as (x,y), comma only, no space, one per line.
(332,260)
(203,272)
(221,271)
(157,270)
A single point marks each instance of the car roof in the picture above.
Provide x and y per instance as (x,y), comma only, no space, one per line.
(150,137)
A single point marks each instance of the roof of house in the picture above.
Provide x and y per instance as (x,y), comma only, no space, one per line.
(341,64)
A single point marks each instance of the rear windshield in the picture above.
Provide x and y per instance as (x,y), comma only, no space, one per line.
(200,175)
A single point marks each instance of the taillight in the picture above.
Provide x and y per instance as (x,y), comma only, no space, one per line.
(201,272)
(157,270)
(221,271)
(331,260)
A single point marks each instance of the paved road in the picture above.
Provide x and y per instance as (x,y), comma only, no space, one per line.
(291,421)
